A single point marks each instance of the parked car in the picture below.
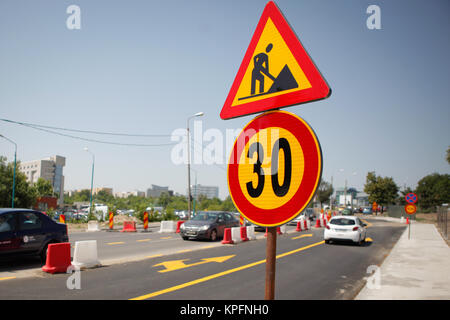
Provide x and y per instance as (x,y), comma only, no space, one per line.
(345,228)
(367,210)
(28,232)
(346,212)
(308,213)
(208,225)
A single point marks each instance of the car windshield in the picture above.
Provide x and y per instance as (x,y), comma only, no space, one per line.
(342,222)
(205,216)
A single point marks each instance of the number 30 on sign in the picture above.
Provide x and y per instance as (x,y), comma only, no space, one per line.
(274,168)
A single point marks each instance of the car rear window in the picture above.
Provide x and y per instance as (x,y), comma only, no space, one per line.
(7,222)
(342,222)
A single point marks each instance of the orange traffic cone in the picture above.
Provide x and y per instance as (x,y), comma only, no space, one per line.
(318,223)
(299,226)
(227,236)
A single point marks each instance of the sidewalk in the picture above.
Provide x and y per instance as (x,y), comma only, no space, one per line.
(416,269)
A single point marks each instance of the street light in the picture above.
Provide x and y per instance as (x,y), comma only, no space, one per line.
(92,177)
(198,114)
(14,174)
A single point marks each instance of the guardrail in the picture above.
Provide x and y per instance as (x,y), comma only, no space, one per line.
(443,220)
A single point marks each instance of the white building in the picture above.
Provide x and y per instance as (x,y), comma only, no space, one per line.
(208,191)
(50,169)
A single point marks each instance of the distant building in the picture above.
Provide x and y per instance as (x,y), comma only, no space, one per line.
(156,191)
(362,199)
(126,194)
(50,169)
(107,190)
(208,191)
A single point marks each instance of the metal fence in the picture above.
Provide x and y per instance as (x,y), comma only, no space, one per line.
(443,220)
(398,212)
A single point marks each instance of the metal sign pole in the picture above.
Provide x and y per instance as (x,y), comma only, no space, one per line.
(271,252)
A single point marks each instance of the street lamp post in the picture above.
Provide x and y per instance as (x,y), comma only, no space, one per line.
(14,174)
(92,178)
(198,114)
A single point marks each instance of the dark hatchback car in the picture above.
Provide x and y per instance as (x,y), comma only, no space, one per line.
(28,232)
(208,225)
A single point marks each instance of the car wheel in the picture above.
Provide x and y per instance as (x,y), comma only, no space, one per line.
(213,235)
(43,254)
(185,238)
(327,241)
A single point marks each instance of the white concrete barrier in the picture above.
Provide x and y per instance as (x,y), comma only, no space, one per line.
(308,223)
(236,234)
(251,232)
(283,229)
(85,254)
(93,226)
(168,226)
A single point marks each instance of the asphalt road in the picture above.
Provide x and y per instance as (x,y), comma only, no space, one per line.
(306,268)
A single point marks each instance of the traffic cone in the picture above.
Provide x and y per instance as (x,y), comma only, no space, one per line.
(279,230)
(318,223)
(244,234)
(324,222)
(179,223)
(265,234)
(227,236)
(299,226)
(58,258)
(407,220)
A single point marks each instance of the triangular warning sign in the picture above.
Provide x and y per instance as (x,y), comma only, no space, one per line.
(276,71)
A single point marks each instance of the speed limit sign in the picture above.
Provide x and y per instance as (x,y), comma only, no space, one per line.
(274,168)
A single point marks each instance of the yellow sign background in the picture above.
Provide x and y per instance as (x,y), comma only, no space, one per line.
(267,138)
(279,56)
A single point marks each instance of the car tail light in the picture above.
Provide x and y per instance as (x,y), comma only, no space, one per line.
(355,229)
(328,227)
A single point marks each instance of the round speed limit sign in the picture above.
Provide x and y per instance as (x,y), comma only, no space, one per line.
(274,168)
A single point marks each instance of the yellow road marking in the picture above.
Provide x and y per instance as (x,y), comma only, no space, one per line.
(182,251)
(7,278)
(165,238)
(368,223)
(154,256)
(369,239)
(143,240)
(302,236)
(179,264)
(220,274)
(207,247)
(112,243)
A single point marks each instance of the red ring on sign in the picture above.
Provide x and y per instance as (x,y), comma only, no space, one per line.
(311,176)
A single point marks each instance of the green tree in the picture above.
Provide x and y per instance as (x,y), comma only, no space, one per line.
(433,190)
(24,195)
(381,190)
(44,188)
(448,155)
(324,192)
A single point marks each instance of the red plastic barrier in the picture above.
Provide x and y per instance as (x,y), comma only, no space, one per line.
(179,223)
(129,226)
(324,222)
(407,220)
(244,234)
(227,236)
(299,226)
(58,258)
(279,230)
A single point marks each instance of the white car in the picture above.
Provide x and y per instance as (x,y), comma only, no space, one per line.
(342,228)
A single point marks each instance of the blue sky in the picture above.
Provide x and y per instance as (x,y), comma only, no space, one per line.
(146,66)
